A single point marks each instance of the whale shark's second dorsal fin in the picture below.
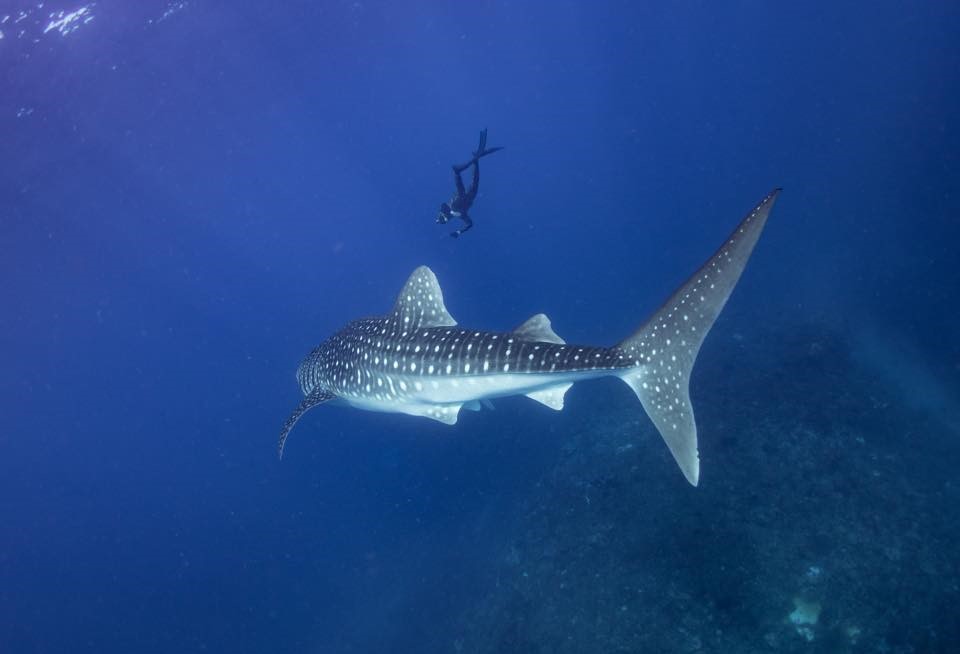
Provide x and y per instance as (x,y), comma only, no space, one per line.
(538,328)
(420,303)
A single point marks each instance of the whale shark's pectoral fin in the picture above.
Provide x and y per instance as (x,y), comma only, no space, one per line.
(317,396)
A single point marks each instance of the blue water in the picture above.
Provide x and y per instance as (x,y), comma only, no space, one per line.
(194,194)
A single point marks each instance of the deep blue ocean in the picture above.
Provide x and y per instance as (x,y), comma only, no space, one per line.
(194,194)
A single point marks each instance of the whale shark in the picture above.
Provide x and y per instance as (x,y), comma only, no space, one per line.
(418,361)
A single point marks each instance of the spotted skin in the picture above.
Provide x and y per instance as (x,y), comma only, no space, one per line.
(376,358)
(418,361)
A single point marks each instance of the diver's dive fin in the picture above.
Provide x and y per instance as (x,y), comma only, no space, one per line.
(667,344)
(484,153)
(317,396)
(482,149)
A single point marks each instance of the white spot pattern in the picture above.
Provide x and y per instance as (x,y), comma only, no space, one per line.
(423,341)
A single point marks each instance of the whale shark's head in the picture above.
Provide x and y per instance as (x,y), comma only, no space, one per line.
(329,362)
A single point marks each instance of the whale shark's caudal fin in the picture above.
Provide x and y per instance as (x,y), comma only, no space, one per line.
(667,345)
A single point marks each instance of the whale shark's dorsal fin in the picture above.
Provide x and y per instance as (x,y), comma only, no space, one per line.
(420,303)
(538,329)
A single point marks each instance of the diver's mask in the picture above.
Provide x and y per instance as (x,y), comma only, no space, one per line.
(444,214)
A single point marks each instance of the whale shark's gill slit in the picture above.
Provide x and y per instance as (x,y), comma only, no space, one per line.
(666,346)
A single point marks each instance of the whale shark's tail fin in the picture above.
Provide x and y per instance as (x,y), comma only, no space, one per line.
(666,346)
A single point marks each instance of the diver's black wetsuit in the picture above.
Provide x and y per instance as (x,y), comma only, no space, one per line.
(462,200)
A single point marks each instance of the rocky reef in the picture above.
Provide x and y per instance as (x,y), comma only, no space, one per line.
(826,519)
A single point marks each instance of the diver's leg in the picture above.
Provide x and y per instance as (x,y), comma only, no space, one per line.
(482,150)
(459,181)
(474,184)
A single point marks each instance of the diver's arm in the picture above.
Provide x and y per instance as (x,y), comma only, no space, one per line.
(467,224)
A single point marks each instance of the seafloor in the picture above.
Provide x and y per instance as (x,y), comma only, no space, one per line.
(826,519)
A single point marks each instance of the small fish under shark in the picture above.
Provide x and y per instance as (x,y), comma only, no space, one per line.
(417,360)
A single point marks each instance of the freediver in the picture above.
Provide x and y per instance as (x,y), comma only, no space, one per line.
(462,200)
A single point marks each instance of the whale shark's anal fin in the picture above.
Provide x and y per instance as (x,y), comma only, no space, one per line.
(552,396)
(666,346)
(317,396)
